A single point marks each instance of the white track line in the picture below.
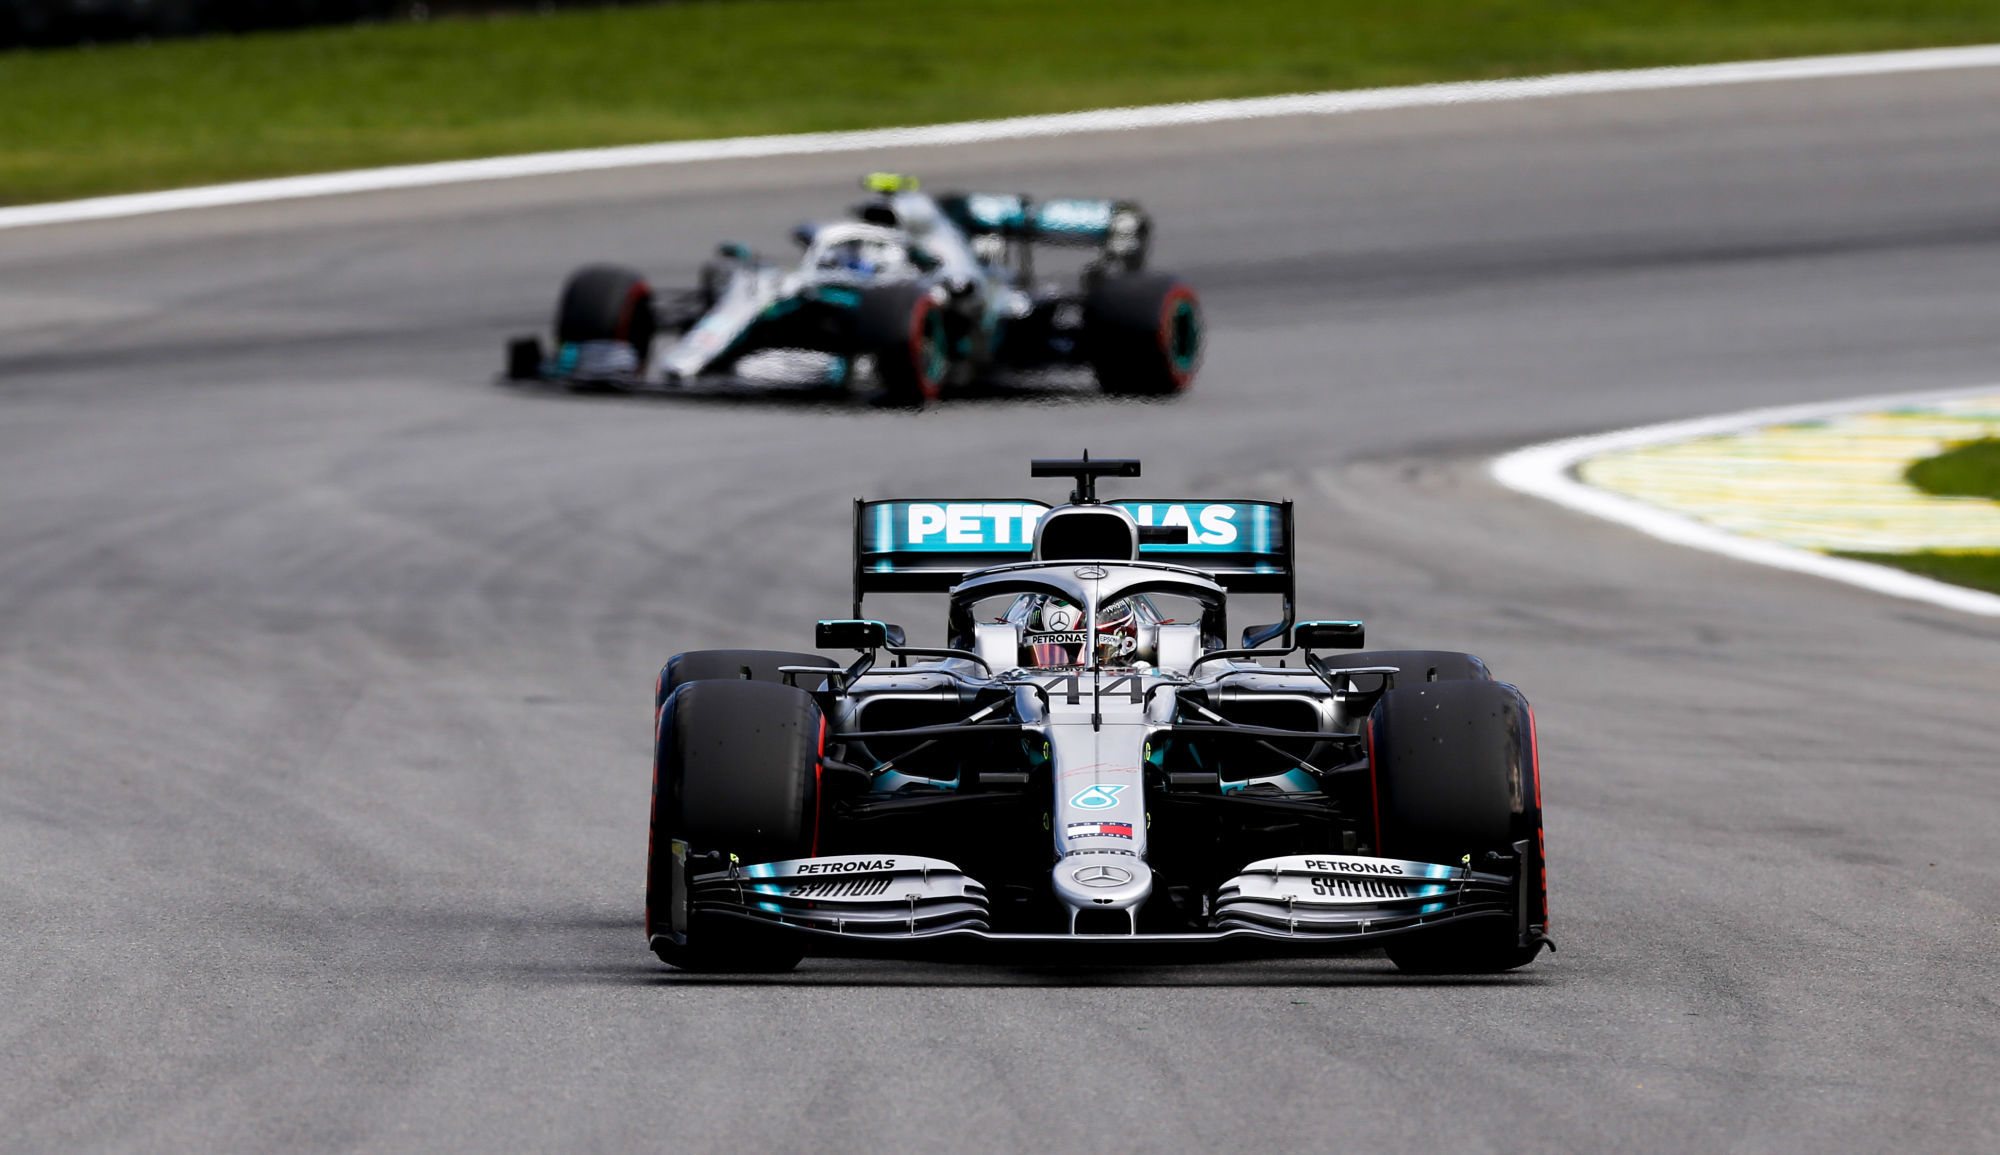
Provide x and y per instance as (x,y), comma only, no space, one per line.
(1016,128)
(1548,471)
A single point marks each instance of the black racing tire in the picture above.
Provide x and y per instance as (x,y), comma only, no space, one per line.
(1142,334)
(736,771)
(743,665)
(905,331)
(608,303)
(1453,771)
(1417,665)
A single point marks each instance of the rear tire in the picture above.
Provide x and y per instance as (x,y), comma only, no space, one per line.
(1142,334)
(905,331)
(735,773)
(741,665)
(608,303)
(1454,772)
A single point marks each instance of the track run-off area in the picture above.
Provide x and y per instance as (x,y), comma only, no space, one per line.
(1789,486)
(324,660)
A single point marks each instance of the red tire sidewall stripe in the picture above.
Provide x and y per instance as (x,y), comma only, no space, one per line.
(1535,771)
(819,801)
(652,817)
(633,295)
(919,317)
(1174,297)
(1535,759)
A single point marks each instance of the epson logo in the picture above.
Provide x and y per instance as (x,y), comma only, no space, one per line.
(1353,867)
(861,867)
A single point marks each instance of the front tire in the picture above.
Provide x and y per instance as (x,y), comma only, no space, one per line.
(608,303)
(1454,773)
(736,772)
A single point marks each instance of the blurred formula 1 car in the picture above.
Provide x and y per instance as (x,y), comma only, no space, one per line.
(1084,771)
(914,294)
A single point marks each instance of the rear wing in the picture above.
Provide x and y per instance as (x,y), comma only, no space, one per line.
(1119,226)
(929,546)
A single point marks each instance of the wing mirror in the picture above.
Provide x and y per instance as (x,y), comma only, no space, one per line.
(733,251)
(856,634)
(1254,636)
(1329,635)
(804,232)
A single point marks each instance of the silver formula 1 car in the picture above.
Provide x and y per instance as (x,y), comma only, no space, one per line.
(912,295)
(1085,770)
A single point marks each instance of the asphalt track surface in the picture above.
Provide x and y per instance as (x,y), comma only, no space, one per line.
(324,660)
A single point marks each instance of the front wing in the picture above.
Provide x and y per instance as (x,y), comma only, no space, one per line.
(612,365)
(903,906)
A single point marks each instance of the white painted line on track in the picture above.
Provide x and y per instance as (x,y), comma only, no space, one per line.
(1548,471)
(1015,128)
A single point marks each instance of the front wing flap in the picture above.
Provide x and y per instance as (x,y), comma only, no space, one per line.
(860,895)
(1346,894)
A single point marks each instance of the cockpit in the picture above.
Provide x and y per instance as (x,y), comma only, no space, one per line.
(1053,633)
(1124,618)
(867,252)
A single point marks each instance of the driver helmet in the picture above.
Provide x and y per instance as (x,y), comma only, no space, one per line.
(1055,633)
(1117,633)
(863,256)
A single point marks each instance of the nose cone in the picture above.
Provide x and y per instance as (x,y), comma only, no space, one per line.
(1102,881)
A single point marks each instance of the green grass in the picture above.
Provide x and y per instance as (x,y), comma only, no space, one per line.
(133,116)
(1968,470)
(1978,570)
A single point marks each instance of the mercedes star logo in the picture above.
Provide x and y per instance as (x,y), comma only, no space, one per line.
(1101,876)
